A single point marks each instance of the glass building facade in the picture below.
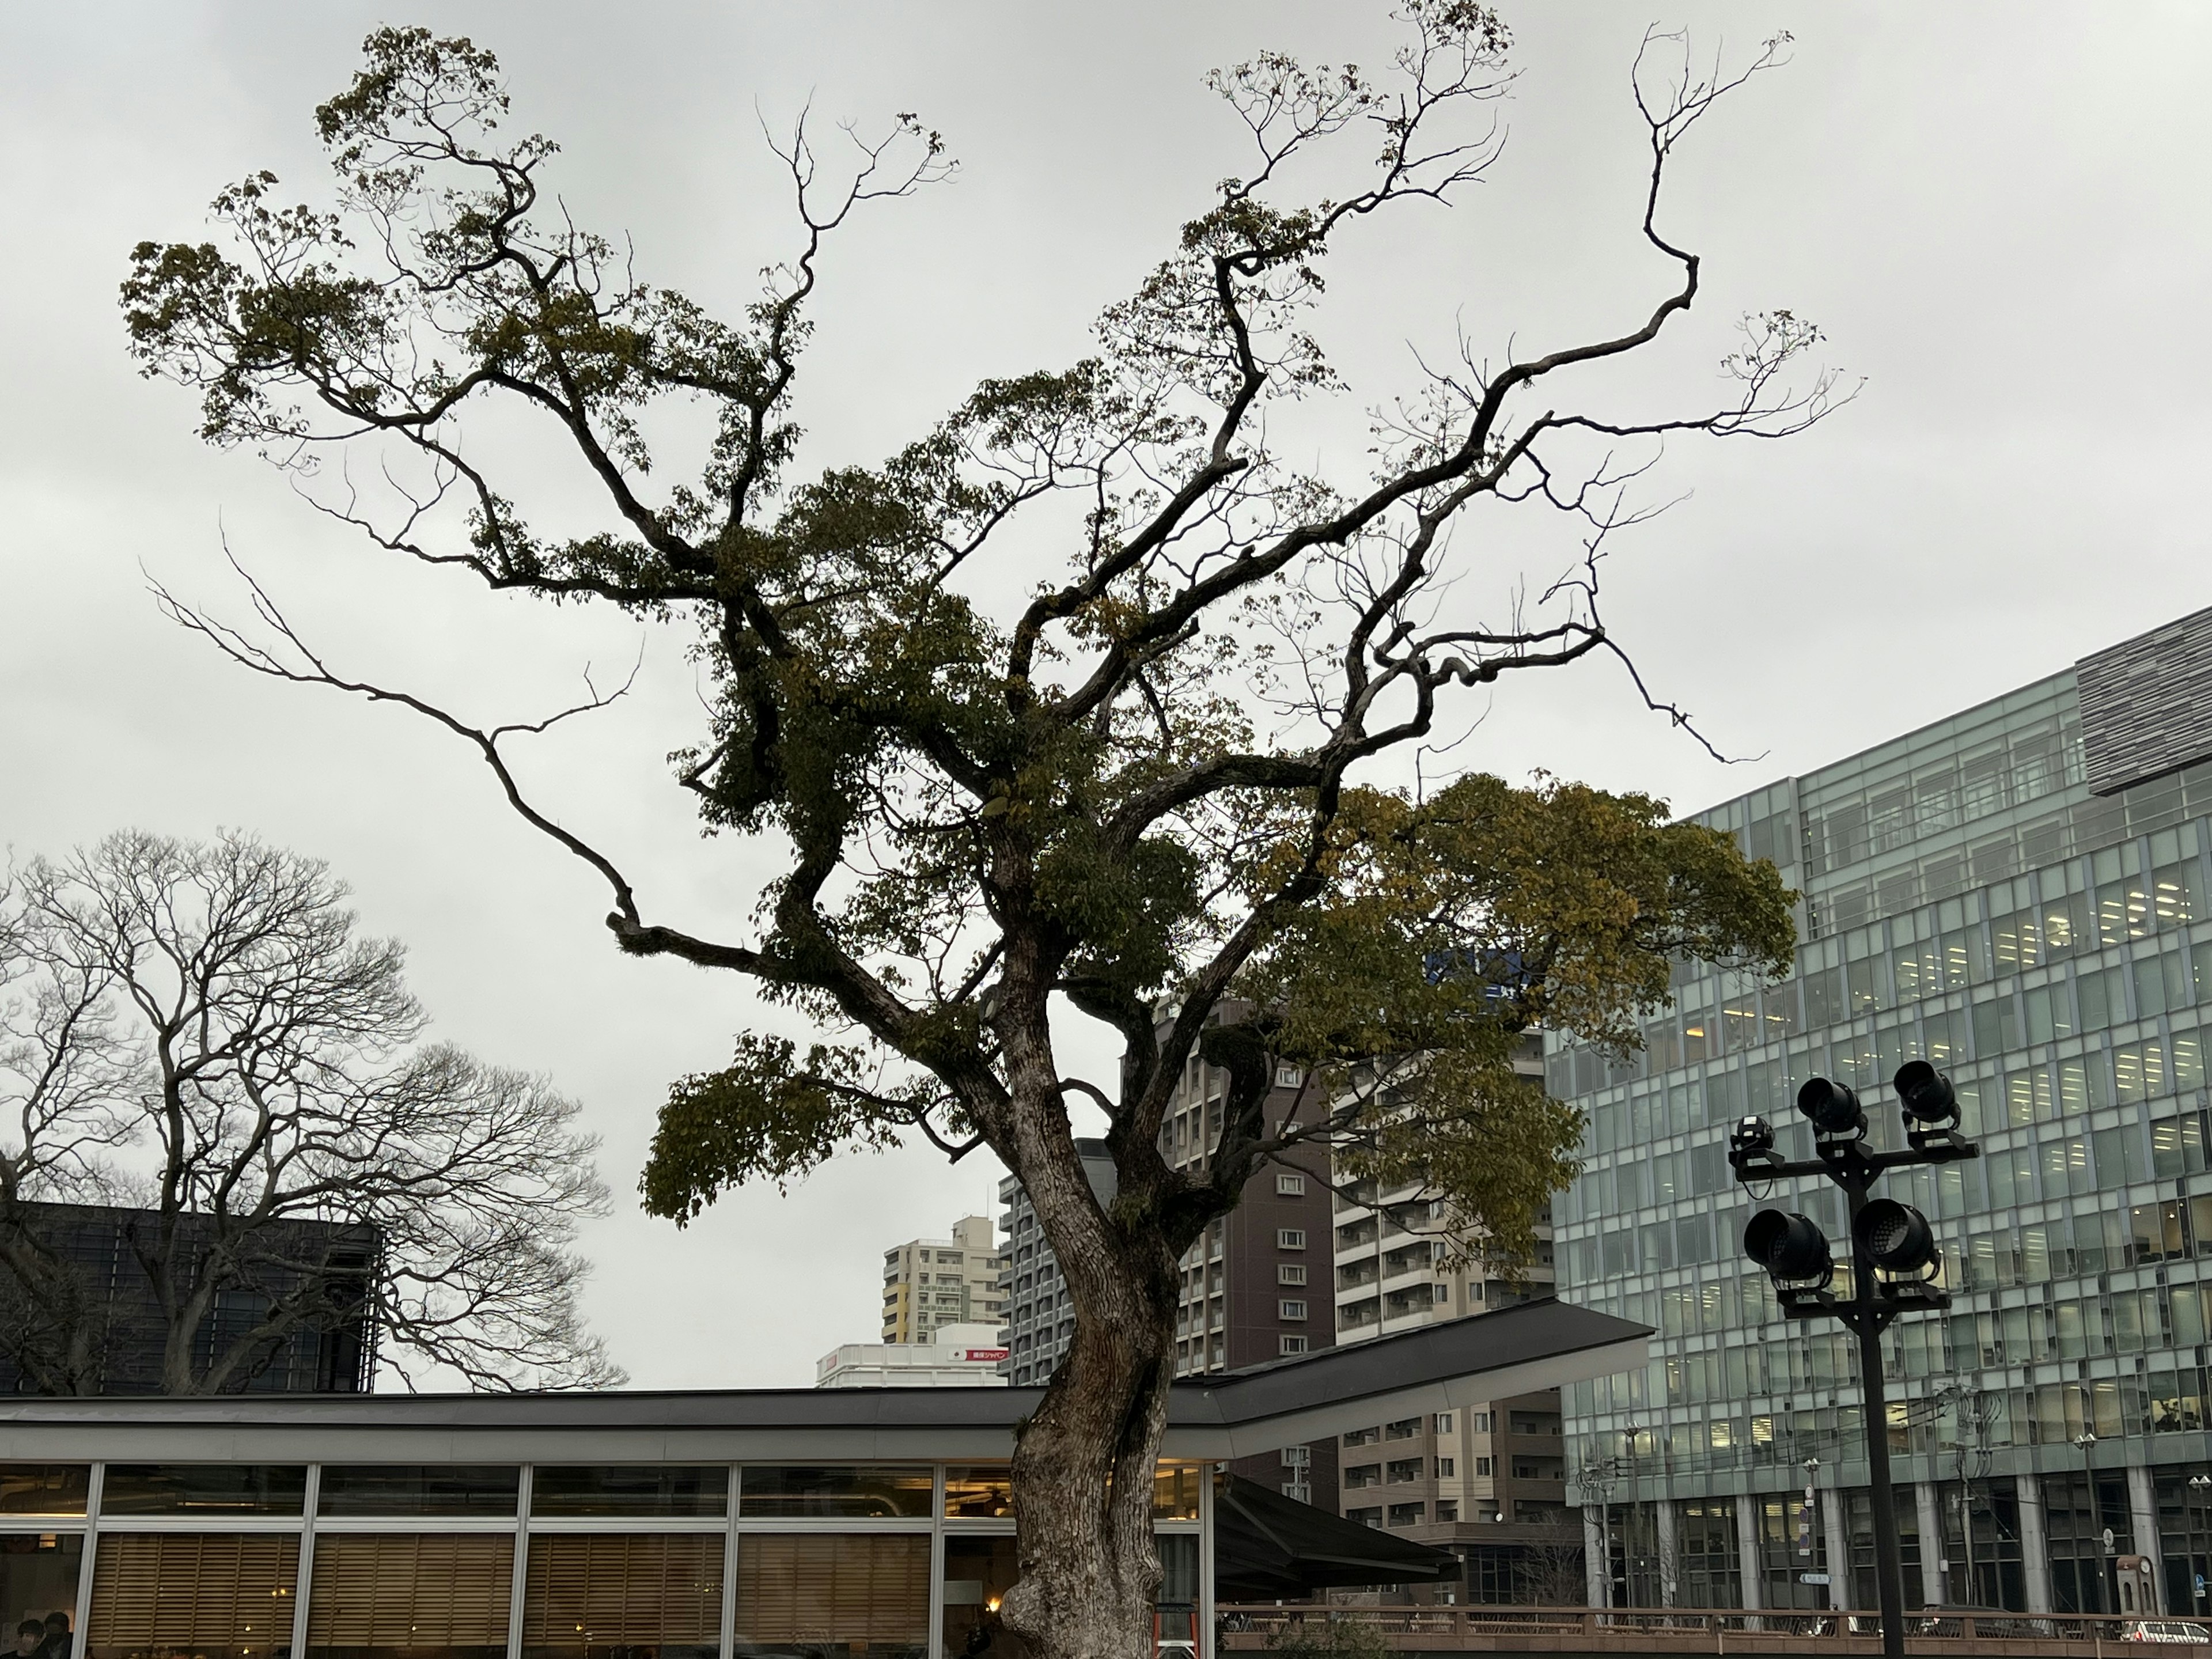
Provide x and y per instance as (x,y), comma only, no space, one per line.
(2021,895)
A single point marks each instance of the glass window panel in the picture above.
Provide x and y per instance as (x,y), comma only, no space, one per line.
(2150,987)
(629,1489)
(1175,1490)
(612,1595)
(38,1588)
(1916,972)
(2174,893)
(981,1492)
(209,1595)
(2100,998)
(1862,987)
(418,1489)
(978,1573)
(856,1595)
(44,1488)
(2081,1084)
(2128,1072)
(2188,1316)
(2166,1153)
(203,1489)
(847,1490)
(2116,1155)
(2188,1061)
(411,1595)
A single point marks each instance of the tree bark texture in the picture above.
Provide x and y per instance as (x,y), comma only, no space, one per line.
(1085,1461)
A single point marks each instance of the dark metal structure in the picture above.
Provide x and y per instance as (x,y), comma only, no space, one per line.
(96,1286)
(1893,1255)
(1268,1547)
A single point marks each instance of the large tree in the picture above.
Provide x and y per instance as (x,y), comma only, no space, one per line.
(1087,699)
(194,1037)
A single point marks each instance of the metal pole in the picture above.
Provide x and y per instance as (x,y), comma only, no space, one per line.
(1969,1403)
(1631,1523)
(2199,1484)
(1888,1563)
(2086,1443)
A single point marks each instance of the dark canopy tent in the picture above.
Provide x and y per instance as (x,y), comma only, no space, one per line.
(1267,1547)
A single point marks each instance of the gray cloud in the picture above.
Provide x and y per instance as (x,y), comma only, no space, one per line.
(1997,213)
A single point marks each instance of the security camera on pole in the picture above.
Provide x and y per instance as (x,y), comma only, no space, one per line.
(1893,1257)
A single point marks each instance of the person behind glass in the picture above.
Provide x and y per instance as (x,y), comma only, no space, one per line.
(30,1637)
(57,1644)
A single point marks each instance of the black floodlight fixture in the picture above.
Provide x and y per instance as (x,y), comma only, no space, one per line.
(1752,1141)
(1925,1094)
(1894,1236)
(1833,1109)
(1791,1248)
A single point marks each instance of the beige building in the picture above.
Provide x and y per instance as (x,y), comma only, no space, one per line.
(929,1283)
(1488,1482)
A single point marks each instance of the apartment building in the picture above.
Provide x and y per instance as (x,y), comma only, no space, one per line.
(1488,1483)
(1039,1323)
(929,1283)
(1255,1287)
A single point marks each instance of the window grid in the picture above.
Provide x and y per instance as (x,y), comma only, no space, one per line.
(295,1537)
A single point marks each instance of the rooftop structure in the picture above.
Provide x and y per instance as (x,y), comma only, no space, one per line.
(959,1357)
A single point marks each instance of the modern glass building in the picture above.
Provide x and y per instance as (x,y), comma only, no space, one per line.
(2019,895)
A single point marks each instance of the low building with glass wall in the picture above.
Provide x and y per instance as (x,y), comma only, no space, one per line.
(869,1523)
(2018,894)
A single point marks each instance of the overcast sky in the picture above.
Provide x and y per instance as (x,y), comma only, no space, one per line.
(1997,213)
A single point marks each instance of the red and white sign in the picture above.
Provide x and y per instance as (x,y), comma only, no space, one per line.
(983,1353)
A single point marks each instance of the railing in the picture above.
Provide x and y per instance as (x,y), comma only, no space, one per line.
(1487,1629)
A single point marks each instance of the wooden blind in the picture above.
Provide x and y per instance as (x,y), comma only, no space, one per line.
(832,1586)
(194,1591)
(595,1589)
(410,1590)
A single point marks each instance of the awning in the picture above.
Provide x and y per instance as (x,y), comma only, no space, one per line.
(1455,1364)
(1267,1547)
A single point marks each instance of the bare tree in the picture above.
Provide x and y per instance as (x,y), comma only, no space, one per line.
(1552,1575)
(194,1034)
(1143,788)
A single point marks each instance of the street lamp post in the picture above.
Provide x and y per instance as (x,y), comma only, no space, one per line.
(1887,1238)
(2200,1488)
(2108,1576)
(1629,1530)
(1809,1528)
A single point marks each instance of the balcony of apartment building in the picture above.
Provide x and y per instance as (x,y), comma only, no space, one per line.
(1417,1258)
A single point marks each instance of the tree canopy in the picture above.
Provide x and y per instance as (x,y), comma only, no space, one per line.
(1087,697)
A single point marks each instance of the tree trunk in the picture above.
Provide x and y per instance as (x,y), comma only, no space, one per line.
(1085,1462)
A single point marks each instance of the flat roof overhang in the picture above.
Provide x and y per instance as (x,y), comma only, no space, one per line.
(1447,1366)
